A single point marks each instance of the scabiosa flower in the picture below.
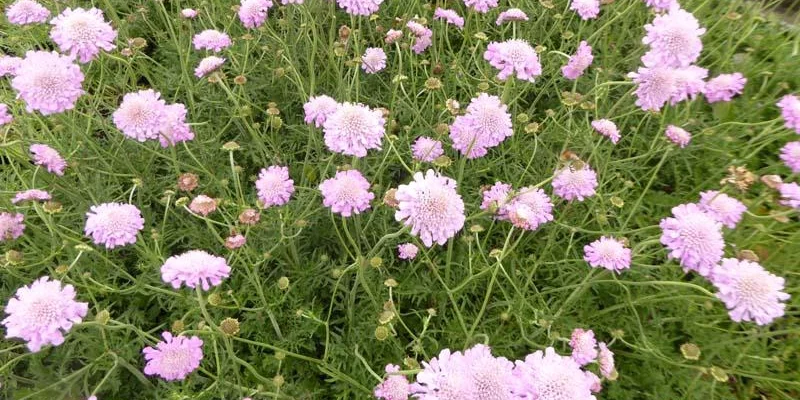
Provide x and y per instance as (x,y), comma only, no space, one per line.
(529,209)
(274,186)
(790,195)
(253,13)
(426,149)
(587,9)
(488,377)
(353,129)
(584,346)
(449,16)
(674,39)
(512,14)
(208,65)
(373,60)
(234,242)
(9,65)
(113,224)
(5,116)
(141,115)
(608,253)
(392,36)
(31,195)
(431,206)
(318,108)
(24,12)
(578,62)
(481,6)
(394,387)
(678,135)
(790,154)
(48,82)
(11,226)
(407,251)
(49,158)
(514,55)
(285,2)
(723,208)
(607,128)
(661,5)
(189,13)
(723,87)
(423,36)
(40,314)
(174,358)
(570,183)
(655,86)
(790,110)
(82,33)
(749,291)
(443,377)
(545,375)
(193,268)
(360,7)
(693,237)
(486,124)
(347,193)
(203,205)
(495,199)
(210,39)
(175,129)
(605,358)
(689,82)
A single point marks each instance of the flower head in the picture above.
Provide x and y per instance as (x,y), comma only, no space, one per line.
(49,158)
(11,226)
(790,110)
(607,128)
(236,241)
(48,82)
(476,373)
(113,224)
(353,129)
(41,313)
(274,186)
(142,115)
(5,116)
(481,6)
(587,9)
(203,205)
(570,183)
(423,36)
(175,129)
(318,108)
(9,65)
(24,12)
(605,358)
(578,62)
(449,16)
(426,149)
(393,35)
(488,376)
(82,33)
(407,251)
(661,5)
(174,358)
(674,39)
(394,387)
(512,14)
(442,377)
(193,268)
(584,346)
(545,375)
(514,55)
(431,206)
(360,7)
(495,199)
(210,39)
(723,87)
(790,154)
(189,13)
(790,194)
(347,193)
(253,13)
(208,65)
(608,253)
(689,82)
(373,60)
(486,124)
(31,195)
(654,86)
(528,209)
(749,291)
(678,135)
(723,208)
(693,237)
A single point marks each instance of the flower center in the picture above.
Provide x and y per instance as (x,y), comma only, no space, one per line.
(44,312)
(752,290)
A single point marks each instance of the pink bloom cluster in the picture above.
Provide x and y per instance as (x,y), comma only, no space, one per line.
(678,135)
(31,195)
(5,116)
(253,13)
(527,208)
(724,87)
(431,207)
(114,224)
(49,158)
(208,65)
(579,62)
(347,193)
(449,16)
(211,39)
(318,108)
(195,268)
(25,12)
(9,65)
(510,15)
(407,251)
(572,183)
(586,9)
(360,7)
(11,226)
(373,60)
(607,128)
(790,111)
(511,56)
(723,208)
(661,5)
(174,358)
(423,37)
(608,253)
(48,82)
(394,387)
(790,154)
(694,238)
(486,124)
(274,186)
(353,129)
(426,149)
(393,35)
(82,33)
(481,6)
(749,291)
(674,39)
(790,195)
(143,115)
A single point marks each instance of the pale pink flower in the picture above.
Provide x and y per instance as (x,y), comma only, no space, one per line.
(790,154)
(353,129)
(608,253)
(394,386)
(481,6)
(511,56)
(528,209)
(347,193)
(512,14)
(253,13)
(193,268)
(49,158)
(495,199)
(188,13)
(790,195)
(426,149)
(607,128)
(750,292)
(579,62)
(678,135)
(570,183)
(11,226)
(392,36)
(584,346)
(113,224)
(48,82)
(423,36)
(449,16)
(674,39)
(545,375)
(790,111)
(175,129)
(605,359)
(661,5)
(689,82)
(5,116)
(9,65)
(236,241)
(723,87)
(360,7)
(203,205)
(723,208)
(407,251)
(431,207)
(274,186)
(174,358)
(210,39)
(82,33)
(586,9)
(654,86)
(31,195)
(318,108)
(694,238)
(142,115)
(373,60)
(486,124)
(208,65)
(24,12)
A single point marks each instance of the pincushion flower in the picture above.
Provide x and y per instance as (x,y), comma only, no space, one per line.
(605,358)
(426,149)
(373,60)
(347,193)
(486,124)
(211,39)
(476,373)
(360,7)
(195,268)
(203,205)
(678,135)
(393,35)
(5,116)
(481,6)
(48,82)
(693,237)
(750,292)
(431,207)
(25,12)
(274,186)
(661,5)
(253,13)
(49,158)
(41,313)
(442,377)
(545,375)
(529,208)
(113,224)
(394,387)
(790,195)
(512,14)
(11,226)
(9,65)
(423,37)
(31,195)
(353,129)
(174,358)
(790,111)
(82,33)
(571,183)
(607,128)
(489,377)
(208,65)
(579,62)
(586,9)
(790,154)
(142,115)
(689,82)
(511,56)
(674,39)
(175,129)
(608,253)
(189,13)
(286,2)
(654,86)
(407,251)
(495,199)
(318,108)
(449,16)
(723,208)
(234,242)
(723,87)
(584,346)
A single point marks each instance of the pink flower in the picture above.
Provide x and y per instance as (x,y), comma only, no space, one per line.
(253,13)
(790,154)
(790,110)
(689,82)
(48,157)
(82,33)
(175,130)
(30,195)
(208,65)
(353,129)
(528,209)
(790,195)
(234,242)
(285,2)
(512,14)
(661,5)
(607,128)
(274,186)
(373,60)
(608,253)
(749,291)
(5,116)
(426,149)
(605,359)
(360,7)
(423,36)
(318,108)
(579,62)
(193,268)
(495,199)
(724,87)
(486,124)
(48,82)
(547,375)
(203,205)
(693,237)
(174,358)
(210,39)
(347,193)
(511,56)
(24,12)
(407,251)
(587,9)
(113,224)
(392,36)
(475,374)
(481,6)
(189,13)
(655,86)
(11,226)
(449,16)
(40,314)
(142,115)
(584,346)
(674,39)
(571,184)
(723,208)
(431,207)
(678,135)
(9,65)
(394,387)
